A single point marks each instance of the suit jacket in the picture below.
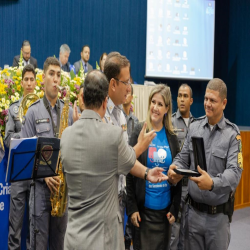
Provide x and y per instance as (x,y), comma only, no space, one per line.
(66,67)
(78,65)
(33,61)
(94,154)
(136,186)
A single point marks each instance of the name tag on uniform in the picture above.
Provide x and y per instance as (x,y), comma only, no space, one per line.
(46,120)
(179,130)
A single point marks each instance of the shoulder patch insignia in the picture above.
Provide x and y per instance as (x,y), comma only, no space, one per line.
(15,109)
(238,138)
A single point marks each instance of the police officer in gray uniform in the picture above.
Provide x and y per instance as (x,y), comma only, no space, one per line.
(43,119)
(210,203)
(20,190)
(181,121)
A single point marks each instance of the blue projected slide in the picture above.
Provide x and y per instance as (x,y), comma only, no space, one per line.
(180,39)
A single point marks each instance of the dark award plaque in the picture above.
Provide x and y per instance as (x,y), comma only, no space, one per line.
(199,158)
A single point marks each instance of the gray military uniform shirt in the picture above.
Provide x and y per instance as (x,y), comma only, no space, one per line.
(38,122)
(223,157)
(180,127)
(13,126)
(132,120)
(115,116)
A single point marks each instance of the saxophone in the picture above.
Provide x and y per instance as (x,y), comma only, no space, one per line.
(59,198)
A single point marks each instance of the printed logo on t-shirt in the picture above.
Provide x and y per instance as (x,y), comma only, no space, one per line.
(157,157)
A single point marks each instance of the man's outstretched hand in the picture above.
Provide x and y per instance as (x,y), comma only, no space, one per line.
(155,175)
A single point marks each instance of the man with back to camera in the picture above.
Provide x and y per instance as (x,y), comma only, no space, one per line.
(85,54)
(27,58)
(92,171)
(43,120)
(181,121)
(64,57)
(210,202)
(20,191)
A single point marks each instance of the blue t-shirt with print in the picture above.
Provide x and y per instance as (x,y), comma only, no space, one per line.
(157,195)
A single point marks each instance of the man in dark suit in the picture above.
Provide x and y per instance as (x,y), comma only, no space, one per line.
(85,54)
(27,58)
(64,57)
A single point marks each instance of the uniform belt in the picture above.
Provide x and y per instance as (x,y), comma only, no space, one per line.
(206,208)
(185,181)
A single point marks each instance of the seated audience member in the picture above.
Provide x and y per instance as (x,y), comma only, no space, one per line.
(85,55)
(152,208)
(64,57)
(92,171)
(27,58)
(102,61)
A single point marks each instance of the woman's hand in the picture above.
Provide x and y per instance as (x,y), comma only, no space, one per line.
(135,219)
(171,218)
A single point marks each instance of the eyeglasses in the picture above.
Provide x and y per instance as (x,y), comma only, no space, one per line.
(126,83)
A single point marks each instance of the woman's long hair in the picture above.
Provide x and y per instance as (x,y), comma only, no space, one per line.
(165,92)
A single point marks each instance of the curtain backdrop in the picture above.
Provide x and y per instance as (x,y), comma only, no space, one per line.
(114,25)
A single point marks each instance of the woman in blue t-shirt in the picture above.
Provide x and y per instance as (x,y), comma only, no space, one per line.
(153,207)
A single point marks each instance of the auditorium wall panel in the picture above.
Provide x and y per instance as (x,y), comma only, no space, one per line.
(108,25)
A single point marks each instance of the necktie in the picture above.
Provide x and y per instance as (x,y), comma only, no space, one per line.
(85,68)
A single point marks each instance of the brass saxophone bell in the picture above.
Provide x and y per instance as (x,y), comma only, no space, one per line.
(26,102)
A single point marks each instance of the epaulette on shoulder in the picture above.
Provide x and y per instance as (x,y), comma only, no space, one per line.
(62,101)
(14,103)
(174,114)
(234,126)
(34,103)
(198,118)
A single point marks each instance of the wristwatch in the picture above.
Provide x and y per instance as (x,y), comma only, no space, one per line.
(146,174)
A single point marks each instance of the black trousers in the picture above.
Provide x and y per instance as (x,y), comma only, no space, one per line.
(154,232)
